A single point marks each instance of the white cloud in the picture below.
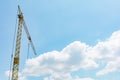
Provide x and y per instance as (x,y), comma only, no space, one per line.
(78,78)
(108,49)
(85,79)
(77,55)
(60,64)
(59,76)
(7,73)
(65,77)
(111,66)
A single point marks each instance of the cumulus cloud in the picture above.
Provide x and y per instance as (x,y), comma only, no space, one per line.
(77,55)
(60,64)
(111,66)
(111,53)
(78,78)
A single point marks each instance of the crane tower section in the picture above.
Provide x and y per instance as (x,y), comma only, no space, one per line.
(21,23)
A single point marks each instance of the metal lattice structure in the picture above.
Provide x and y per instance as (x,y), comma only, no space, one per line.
(21,23)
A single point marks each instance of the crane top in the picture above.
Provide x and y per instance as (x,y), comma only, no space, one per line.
(21,17)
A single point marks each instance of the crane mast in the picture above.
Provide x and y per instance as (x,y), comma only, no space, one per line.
(21,23)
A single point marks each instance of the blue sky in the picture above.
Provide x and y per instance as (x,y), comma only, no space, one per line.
(63,28)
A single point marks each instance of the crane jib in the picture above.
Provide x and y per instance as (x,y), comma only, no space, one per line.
(21,22)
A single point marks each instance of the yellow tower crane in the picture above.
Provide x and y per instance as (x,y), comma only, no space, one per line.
(21,23)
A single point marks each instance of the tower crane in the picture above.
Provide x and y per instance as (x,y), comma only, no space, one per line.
(21,23)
